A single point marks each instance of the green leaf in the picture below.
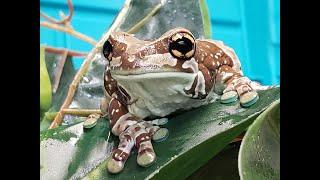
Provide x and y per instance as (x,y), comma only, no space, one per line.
(45,84)
(222,166)
(205,19)
(68,72)
(66,78)
(259,156)
(195,137)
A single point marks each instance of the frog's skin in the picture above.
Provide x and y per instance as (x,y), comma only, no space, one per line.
(149,79)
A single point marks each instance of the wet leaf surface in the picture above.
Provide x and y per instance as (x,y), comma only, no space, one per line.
(195,137)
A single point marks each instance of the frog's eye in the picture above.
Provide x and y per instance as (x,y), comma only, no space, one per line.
(182,45)
(107,50)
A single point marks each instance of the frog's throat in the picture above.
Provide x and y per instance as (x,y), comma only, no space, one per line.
(160,75)
(156,82)
(157,93)
(143,72)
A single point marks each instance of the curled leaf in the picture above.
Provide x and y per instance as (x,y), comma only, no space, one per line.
(259,156)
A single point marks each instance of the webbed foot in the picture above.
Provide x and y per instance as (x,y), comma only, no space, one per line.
(140,136)
(240,88)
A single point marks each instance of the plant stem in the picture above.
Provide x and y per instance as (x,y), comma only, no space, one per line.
(62,50)
(65,20)
(82,112)
(76,112)
(69,31)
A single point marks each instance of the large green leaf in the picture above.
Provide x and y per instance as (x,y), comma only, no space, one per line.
(259,156)
(195,137)
(45,84)
(222,166)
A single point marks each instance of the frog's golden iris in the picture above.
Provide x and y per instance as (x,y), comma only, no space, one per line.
(182,45)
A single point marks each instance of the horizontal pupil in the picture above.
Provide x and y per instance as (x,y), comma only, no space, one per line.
(183,45)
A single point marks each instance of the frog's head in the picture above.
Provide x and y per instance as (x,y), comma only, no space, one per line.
(172,58)
(128,55)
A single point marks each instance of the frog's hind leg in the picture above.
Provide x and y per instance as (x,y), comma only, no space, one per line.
(121,154)
(142,133)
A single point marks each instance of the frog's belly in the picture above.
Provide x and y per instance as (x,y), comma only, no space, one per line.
(160,94)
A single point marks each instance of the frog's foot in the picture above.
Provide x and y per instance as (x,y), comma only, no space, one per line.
(240,88)
(143,133)
(160,135)
(140,135)
(121,154)
(159,122)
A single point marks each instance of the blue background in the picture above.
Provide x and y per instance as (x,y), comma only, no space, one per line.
(251,27)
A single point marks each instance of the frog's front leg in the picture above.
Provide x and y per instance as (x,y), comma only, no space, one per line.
(120,120)
(131,131)
(236,85)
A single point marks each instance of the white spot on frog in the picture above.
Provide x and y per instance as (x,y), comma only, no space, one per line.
(158,60)
(191,64)
(131,58)
(116,62)
(200,87)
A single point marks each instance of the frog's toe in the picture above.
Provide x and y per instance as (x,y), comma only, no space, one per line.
(159,122)
(229,97)
(146,158)
(249,98)
(114,166)
(160,135)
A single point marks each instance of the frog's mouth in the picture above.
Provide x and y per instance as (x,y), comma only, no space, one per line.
(173,76)
(154,63)
(144,71)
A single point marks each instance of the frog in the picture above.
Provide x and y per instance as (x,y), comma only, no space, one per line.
(148,80)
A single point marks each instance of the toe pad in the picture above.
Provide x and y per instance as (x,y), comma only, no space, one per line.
(229,97)
(249,98)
